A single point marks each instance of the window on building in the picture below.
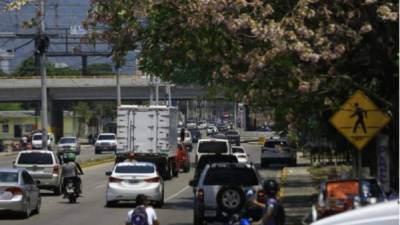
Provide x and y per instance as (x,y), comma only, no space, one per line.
(28,128)
(5,128)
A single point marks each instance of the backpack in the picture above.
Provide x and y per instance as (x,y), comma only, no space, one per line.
(139,216)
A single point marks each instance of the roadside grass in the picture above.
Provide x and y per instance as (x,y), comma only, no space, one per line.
(98,161)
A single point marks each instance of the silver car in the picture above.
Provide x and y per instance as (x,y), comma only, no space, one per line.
(18,192)
(128,179)
(69,144)
(42,165)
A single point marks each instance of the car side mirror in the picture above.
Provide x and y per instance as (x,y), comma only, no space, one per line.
(108,173)
(37,182)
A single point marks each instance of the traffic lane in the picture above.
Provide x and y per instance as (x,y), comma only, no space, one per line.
(91,209)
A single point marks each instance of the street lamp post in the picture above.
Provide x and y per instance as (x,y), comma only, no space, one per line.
(43,77)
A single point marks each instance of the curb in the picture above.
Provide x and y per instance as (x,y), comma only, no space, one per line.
(282,179)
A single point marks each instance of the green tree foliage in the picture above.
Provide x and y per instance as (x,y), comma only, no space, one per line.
(27,69)
(83,111)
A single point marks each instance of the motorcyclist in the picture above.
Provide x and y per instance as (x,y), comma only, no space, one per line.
(273,210)
(71,171)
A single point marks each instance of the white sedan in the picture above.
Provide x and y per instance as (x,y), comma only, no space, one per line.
(240,153)
(386,213)
(128,179)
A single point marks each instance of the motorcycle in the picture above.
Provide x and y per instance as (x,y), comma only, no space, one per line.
(71,191)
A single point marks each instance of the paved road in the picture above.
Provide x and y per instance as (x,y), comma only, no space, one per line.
(90,208)
(87,152)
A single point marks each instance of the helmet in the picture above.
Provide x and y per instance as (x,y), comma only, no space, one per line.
(271,187)
(71,157)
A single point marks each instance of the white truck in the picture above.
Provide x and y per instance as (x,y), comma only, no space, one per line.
(149,132)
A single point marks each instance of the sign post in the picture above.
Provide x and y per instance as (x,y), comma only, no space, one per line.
(359,120)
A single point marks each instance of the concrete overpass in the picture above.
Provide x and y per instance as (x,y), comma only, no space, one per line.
(89,88)
(64,89)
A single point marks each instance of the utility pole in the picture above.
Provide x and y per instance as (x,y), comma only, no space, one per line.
(42,53)
(118,87)
(151,90)
(157,91)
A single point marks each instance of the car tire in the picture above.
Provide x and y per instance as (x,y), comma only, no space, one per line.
(27,212)
(38,205)
(97,152)
(160,203)
(57,190)
(231,198)
(111,204)
(186,169)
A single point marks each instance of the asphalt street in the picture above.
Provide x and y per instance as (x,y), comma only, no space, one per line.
(91,209)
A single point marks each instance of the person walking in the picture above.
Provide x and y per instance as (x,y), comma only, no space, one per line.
(143,214)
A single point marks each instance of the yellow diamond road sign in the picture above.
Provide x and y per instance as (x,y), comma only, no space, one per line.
(359,120)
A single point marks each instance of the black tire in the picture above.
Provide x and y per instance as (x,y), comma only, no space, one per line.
(168,172)
(57,190)
(186,169)
(37,209)
(231,199)
(110,204)
(72,199)
(27,212)
(97,152)
(160,203)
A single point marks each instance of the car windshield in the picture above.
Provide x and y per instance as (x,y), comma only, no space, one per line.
(237,150)
(194,131)
(67,141)
(231,176)
(134,169)
(8,177)
(274,144)
(107,137)
(37,158)
(213,147)
(37,137)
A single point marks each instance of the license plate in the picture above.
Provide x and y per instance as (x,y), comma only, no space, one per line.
(133,181)
(212,213)
(70,190)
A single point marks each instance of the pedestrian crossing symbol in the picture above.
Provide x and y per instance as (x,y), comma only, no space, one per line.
(359,120)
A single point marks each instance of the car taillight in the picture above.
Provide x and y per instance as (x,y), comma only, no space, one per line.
(200,195)
(152,180)
(261,197)
(56,170)
(114,180)
(14,190)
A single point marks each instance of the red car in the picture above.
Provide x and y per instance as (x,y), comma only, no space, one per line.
(183,158)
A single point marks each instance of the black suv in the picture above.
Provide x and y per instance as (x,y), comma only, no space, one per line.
(221,191)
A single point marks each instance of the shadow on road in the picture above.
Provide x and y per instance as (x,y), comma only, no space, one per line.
(8,215)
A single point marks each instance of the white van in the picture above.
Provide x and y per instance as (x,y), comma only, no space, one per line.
(37,141)
(212,146)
